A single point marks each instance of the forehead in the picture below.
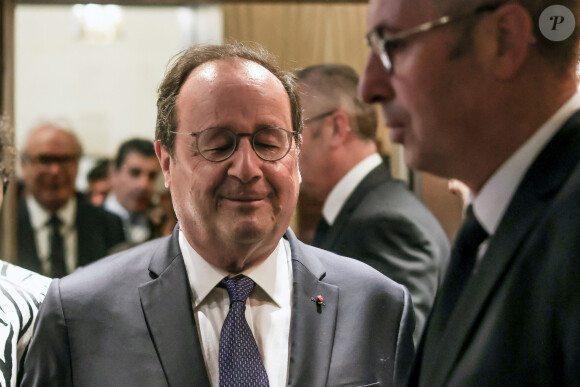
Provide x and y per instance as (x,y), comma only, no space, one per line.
(231,89)
(397,15)
(136,160)
(52,140)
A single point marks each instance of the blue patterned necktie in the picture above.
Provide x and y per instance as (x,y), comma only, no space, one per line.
(240,363)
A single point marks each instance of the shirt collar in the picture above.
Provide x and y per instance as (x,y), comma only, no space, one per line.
(39,216)
(492,201)
(346,186)
(271,275)
(112,204)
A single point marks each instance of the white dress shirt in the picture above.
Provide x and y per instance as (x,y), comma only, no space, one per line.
(136,226)
(346,186)
(39,218)
(268,309)
(490,205)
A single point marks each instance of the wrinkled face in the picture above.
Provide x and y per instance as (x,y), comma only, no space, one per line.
(50,167)
(244,200)
(315,142)
(134,182)
(429,99)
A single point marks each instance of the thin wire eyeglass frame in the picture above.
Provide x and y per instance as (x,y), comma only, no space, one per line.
(251,136)
(378,41)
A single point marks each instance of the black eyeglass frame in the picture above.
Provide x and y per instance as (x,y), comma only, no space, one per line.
(320,116)
(251,136)
(379,41)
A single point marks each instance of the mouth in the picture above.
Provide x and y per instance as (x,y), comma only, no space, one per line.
(244,199)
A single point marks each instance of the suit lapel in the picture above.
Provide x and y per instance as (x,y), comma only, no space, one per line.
(27,252)
(166,302)
(539,186)
(376,177)
(313,325)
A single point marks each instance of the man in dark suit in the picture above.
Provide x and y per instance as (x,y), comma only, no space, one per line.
(57,229)
(367,214)
(231,298)
(133,177)
(486,93)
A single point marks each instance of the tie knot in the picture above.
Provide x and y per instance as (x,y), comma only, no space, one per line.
(239,288)
(470,235)
(54,221)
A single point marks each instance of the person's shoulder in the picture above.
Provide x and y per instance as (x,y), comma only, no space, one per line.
(348,273)
(125,268)
(15,277)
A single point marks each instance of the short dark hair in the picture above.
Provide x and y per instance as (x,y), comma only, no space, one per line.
(100,170)
(339,81)
(138,145)
(185,62)
(560,54)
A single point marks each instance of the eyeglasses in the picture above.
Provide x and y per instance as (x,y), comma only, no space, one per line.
(5,178)
(219,144)
(384,45)
(320,116)
(45,159)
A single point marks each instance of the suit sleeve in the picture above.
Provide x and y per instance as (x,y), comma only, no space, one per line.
(405,348)
(48,361)
(399,249)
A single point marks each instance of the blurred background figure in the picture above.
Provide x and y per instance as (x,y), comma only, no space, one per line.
(367,214)
(459,189)
(21,291)
(162,216)
(99,183)
(133,178)
(57,229)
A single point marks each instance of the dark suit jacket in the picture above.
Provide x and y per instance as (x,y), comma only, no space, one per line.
(385,226)
(517,322)
(127,321)
(97,232)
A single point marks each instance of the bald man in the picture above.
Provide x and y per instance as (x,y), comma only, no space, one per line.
(58,231)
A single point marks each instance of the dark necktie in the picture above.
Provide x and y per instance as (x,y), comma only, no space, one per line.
(463,258)
(240,363)
(322,229)
(58,268)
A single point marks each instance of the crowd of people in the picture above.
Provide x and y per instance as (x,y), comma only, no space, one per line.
(478,93)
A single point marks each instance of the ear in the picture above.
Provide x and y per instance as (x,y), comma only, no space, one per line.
(340,128)
(512,34)
(165,162)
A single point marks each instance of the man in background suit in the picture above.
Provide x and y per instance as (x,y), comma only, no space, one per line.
(133,177)
(366,214)
(228,132)
(57,229)
(486,92)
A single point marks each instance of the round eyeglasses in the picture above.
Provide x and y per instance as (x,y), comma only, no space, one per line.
(219,144)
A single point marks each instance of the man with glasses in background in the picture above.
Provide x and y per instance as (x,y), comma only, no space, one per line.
(486,93)
(231,298)
(58,230)
(367,215)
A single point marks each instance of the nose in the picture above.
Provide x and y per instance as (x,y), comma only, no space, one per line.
(245,163)
(375,84)
(54,167)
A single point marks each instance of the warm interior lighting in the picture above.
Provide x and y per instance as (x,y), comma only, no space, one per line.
(97,23)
